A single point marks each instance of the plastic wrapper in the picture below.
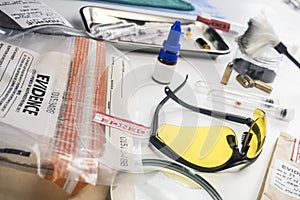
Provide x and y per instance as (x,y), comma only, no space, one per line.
(54,84)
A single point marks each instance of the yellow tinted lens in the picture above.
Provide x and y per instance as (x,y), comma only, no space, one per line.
(203,146)
(258,131)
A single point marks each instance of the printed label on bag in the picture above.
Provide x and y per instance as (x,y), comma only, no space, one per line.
(286,178)
(31,89)
(122,145)
(29,13)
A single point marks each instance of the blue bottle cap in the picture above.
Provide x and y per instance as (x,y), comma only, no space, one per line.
(168,56)
(171,46)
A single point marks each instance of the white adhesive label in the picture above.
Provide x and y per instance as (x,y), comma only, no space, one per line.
(31,89)
(29,13)
(286,178)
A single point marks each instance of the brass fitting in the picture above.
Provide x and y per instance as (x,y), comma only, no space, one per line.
(248,82)
(227,73)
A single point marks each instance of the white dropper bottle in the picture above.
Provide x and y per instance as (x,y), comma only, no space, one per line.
(168,55)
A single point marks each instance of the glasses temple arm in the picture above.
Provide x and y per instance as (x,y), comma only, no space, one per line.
(154,124)
(215,114)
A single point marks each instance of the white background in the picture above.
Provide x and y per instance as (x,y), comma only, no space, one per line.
(243,184)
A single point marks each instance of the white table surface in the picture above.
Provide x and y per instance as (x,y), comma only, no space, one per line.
(243,184)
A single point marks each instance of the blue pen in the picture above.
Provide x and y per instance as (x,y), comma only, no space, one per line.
(168,55)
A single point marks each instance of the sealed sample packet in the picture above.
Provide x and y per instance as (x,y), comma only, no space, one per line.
(52,87)
(282,179)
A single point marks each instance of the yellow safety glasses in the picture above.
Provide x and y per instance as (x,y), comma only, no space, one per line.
(189,145)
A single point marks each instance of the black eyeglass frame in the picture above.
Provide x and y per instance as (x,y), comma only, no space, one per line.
(238,157)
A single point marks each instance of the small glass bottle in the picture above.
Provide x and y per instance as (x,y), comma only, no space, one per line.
(167,59)
(264,66)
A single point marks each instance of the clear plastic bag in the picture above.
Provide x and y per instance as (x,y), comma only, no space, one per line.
(73,71)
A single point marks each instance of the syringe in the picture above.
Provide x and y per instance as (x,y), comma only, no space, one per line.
(248,101)
(114,30)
